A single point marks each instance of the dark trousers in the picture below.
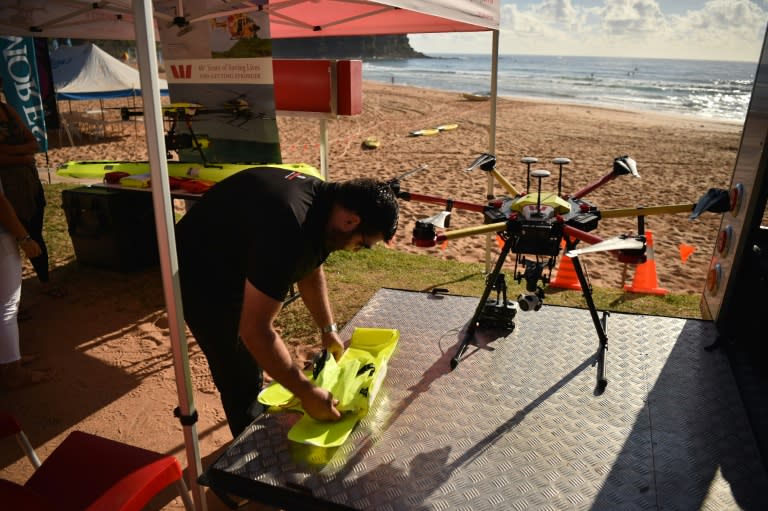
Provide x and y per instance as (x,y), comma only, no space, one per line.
(35,229)
(235,373)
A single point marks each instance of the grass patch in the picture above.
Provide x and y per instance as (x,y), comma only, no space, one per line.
(353,278)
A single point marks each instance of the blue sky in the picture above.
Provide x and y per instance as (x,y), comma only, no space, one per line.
(687,29)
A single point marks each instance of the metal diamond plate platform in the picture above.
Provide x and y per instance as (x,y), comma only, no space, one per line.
(516,425)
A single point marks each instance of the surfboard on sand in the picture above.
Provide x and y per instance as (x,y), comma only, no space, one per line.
(424,133)
(477,96)
(96,169)
(355,380)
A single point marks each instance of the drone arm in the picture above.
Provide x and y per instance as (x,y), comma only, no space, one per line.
(594,186)
(502,226)
(653,210)
(504,182)
(471,231)
(578,234)
(479,208)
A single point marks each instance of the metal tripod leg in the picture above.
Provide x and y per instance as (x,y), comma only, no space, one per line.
(600,326)
(491,282)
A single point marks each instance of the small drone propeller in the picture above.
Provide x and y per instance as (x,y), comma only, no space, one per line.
(625,165)
(417,169)
(394,184)
(622,242)
(442,219)
(715,200)
(485,161)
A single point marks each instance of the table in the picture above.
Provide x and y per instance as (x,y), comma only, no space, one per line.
(175,194)
(516,424)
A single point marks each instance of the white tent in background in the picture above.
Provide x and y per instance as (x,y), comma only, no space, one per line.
(88,72)
(135,20)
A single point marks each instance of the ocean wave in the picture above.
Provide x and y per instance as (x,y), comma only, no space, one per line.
(719,90)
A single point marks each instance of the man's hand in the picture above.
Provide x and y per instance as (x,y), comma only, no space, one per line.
(332,343)
(320,404)
(30,247)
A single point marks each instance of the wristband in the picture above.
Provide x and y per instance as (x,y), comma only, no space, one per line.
(330,328)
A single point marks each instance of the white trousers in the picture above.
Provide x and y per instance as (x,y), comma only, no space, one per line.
(10,295)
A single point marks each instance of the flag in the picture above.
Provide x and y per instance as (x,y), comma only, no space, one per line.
(21,85)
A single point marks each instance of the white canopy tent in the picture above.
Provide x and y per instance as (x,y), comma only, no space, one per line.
(135,20)
(87,72)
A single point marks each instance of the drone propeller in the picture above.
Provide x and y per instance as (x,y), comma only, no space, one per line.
(625,165)
(442,219)
(716,200)
(485,161)
(417,169)
(622,242)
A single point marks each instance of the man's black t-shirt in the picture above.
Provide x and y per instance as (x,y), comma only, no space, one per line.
(263,224)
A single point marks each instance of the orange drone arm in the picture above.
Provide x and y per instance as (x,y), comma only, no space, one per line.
(653,210)
(479,208)
(580,235)
(594,186)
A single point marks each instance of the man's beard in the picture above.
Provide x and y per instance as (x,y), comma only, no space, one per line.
(336,239)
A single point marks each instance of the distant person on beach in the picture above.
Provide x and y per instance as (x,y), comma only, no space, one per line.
(22,184)
(13,236)
(242,247)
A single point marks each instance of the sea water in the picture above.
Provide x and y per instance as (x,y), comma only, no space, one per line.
(718,90)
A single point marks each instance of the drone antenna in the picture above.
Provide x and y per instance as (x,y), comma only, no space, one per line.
(528,160)
(539,174)
(417,169)
(561,162)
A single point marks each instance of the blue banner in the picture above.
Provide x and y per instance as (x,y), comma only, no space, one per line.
(21,85)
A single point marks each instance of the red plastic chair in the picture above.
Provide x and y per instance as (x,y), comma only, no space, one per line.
(10,426)
(91,473)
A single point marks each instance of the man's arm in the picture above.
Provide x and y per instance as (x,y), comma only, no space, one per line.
(314,293)
(268,349)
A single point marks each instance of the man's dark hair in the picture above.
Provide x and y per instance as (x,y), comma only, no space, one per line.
(374,201)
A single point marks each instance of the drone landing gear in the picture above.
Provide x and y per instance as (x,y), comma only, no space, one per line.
(499,313)
(484,308)
(600,327)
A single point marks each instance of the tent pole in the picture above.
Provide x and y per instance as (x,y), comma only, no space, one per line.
(324,148)
(164,221)
(492,136)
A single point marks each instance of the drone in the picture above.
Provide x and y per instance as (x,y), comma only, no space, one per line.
(175,141)
(238,108)
(535,226)
(241,111)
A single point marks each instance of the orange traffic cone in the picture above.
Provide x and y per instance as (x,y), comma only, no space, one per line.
(566,277)
(645,280)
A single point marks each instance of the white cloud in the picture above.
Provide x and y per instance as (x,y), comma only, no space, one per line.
(624,17)
(717,30)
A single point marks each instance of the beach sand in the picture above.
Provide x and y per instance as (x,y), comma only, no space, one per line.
(108,338)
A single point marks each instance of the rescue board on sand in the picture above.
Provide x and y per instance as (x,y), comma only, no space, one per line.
(424,133)
(212,172)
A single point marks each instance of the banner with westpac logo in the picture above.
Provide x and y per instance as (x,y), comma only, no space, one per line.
(21,85)
(219,73)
